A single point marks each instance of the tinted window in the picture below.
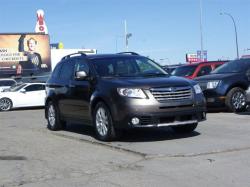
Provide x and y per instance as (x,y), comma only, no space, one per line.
(235,66)
(35,87)
(56,71)
(7,83)
(67,70)
(81,65)
(184,71)
(204,71)
(217,65)
(128,67)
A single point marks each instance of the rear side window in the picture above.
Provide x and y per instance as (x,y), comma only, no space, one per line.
(7,83)
(204,71)
(35,87)
(57,70)
(67,70)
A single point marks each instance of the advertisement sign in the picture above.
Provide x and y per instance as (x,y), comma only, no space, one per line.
(202,58)
(191,57)
(40,24)
(24,54)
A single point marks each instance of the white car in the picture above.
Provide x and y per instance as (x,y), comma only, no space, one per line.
(24,95)
(6,83)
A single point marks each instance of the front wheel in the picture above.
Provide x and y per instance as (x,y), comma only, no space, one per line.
(185,128)
(5,104)
(236,100)
(103,123)
(53,118)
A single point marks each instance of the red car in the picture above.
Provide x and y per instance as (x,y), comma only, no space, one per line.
(192,71)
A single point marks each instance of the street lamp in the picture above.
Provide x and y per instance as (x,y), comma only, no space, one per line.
(127,35)
(236,37)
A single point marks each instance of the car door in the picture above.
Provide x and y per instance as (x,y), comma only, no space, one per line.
(81,92)
(204,70)
(33,95)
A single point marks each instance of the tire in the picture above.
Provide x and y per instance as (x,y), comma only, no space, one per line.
(5,104)
(53,118)
(236,100)
(185,128)
(103,123)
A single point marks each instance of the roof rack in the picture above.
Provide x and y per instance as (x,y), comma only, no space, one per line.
(74,54)
(130,53)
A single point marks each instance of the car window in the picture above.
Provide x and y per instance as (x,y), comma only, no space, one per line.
(205,70)
(67,70)
(7,83)
(81,65)
(35,87)
(217,65)
(56,71)
(184,71)
(127,67)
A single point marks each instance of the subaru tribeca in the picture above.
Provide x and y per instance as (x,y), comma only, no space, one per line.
(119,91)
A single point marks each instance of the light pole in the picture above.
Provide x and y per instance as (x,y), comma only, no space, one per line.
(127,35)
(201,34)
(235,30)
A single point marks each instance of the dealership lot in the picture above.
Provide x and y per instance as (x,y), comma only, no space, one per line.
(216,154)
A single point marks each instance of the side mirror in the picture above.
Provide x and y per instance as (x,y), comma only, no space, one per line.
(23,90)
(81,75)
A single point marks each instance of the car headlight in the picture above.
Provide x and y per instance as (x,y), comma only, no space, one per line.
(197,89)
(131,92)
(212,84)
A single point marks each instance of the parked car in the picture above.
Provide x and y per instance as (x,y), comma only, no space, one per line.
(170,68)
(6,83)
(192,71)
(118,91)
(226,85)
(24,95)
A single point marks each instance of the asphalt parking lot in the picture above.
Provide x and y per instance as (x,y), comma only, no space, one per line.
(216,154)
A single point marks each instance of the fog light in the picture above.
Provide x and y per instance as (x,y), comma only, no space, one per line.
(135,121)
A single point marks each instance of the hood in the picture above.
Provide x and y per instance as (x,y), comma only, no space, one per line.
(142,82)
(216,76)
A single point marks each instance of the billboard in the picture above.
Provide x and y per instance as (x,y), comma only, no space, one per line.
(191,57)
(24,54)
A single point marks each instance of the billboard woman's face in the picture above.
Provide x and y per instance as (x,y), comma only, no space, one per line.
(32,45)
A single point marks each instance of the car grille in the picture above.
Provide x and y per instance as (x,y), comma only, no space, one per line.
(172,93)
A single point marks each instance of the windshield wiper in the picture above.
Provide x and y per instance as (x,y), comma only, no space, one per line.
(154,75)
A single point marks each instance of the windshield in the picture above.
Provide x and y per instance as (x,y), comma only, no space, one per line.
(184,71)
(235,66)
(16,88)
(127,67)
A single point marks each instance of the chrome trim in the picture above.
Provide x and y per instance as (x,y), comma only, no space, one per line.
(176,123)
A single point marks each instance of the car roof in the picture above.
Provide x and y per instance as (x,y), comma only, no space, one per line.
(208,62)
(99,56)
(6,79)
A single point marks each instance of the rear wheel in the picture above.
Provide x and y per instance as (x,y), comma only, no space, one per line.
(236,100)
(185,128)
(103,123)
(53,118)
(5,104)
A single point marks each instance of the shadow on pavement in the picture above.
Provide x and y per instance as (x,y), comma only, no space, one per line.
(135,135)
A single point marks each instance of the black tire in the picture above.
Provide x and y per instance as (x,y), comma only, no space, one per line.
(185,128)
(53,118)
(104,127)
(5,104)
(236,100)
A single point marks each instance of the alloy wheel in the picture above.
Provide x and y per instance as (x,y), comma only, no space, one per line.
(238,100)
(52,115)
(5,104)
(102,121)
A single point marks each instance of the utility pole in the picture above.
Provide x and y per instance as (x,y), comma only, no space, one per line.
(201,34)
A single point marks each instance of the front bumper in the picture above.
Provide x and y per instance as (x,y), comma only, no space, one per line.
(152,113)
